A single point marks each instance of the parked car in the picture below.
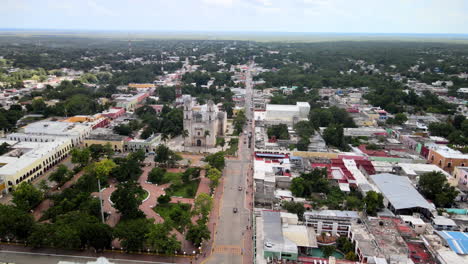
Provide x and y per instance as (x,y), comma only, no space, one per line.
(234,210)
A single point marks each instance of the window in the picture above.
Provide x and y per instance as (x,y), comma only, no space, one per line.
(449,165)
(198,133)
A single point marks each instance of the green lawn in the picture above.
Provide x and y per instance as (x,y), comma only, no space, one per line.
(177,213)
(173,177)
(186,190)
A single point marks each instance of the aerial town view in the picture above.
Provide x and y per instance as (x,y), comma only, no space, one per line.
(233,132)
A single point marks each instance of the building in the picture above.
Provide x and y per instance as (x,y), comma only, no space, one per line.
(460,175)
(204,123)
(129,101)
(103,137)
(332,221)
(28,160)
(147,145)
(457,241)
(114,112)
(400,196)
(46,131)
(287,114)
(95,121)
(443,223)
(139,86)
(280,237)
(447,158)
(416,223)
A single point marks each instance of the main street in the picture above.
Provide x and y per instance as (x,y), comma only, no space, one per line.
(233,237)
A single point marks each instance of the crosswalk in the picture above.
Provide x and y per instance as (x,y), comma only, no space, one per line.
(229,250)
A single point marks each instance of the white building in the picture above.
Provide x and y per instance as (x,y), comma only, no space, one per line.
(28,160)
(287,114)
(45,131)
(204,123)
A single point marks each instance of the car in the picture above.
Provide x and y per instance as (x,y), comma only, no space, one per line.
(234,210)
(240,188)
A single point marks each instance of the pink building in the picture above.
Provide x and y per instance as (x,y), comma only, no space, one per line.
(114,112)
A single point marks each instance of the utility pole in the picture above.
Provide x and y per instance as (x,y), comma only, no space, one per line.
(100,199)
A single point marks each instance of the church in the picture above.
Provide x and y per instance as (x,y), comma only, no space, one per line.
(204,123)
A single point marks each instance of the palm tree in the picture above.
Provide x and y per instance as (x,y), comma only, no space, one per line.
(164,137)
(207,134)
(184,135)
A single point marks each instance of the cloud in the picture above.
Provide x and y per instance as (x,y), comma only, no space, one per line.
(222,3)
(99,9)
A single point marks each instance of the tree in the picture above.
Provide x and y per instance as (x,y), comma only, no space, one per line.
(351,256)
(278,131)
(303,144)
(159,239)
(297,186)
(103,168)
(334,136)
(125,199)
(43,186)
(164,199)
(189,174)
(458,121)
(295,208)
(328,251)
(26,196)
(202,205)
(434,186)
(123,130)
(440,129)
(214,175)
(239,122)
(131,233)
(374,202)
(80,156)
(15,223)
(166,156)
(207,134)
(156,175)
(400,118)
(216,160)
(198,233)
(61,175)
(97,151)
(304,129)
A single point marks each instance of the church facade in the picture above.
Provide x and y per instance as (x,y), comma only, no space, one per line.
(204,123)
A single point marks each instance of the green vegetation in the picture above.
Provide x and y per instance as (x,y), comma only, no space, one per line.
(216,160)
(334,136)
(185,190)
(455,130)
(26,196)
(324,117)
(233,146)
(166,157)
(168,122)
(175,214)
(239,122)
(434,186)
(278,131)
(127,199)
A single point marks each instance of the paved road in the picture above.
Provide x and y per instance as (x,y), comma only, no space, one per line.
(233,240)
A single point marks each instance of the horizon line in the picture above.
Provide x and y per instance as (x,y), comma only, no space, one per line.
(226,31)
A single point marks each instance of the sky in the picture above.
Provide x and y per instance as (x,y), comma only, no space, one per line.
(340,16)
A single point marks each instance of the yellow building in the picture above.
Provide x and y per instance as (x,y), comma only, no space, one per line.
(104,137)
(28,160)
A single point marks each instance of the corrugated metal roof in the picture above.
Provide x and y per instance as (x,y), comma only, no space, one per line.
(458,241)
(399,191)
